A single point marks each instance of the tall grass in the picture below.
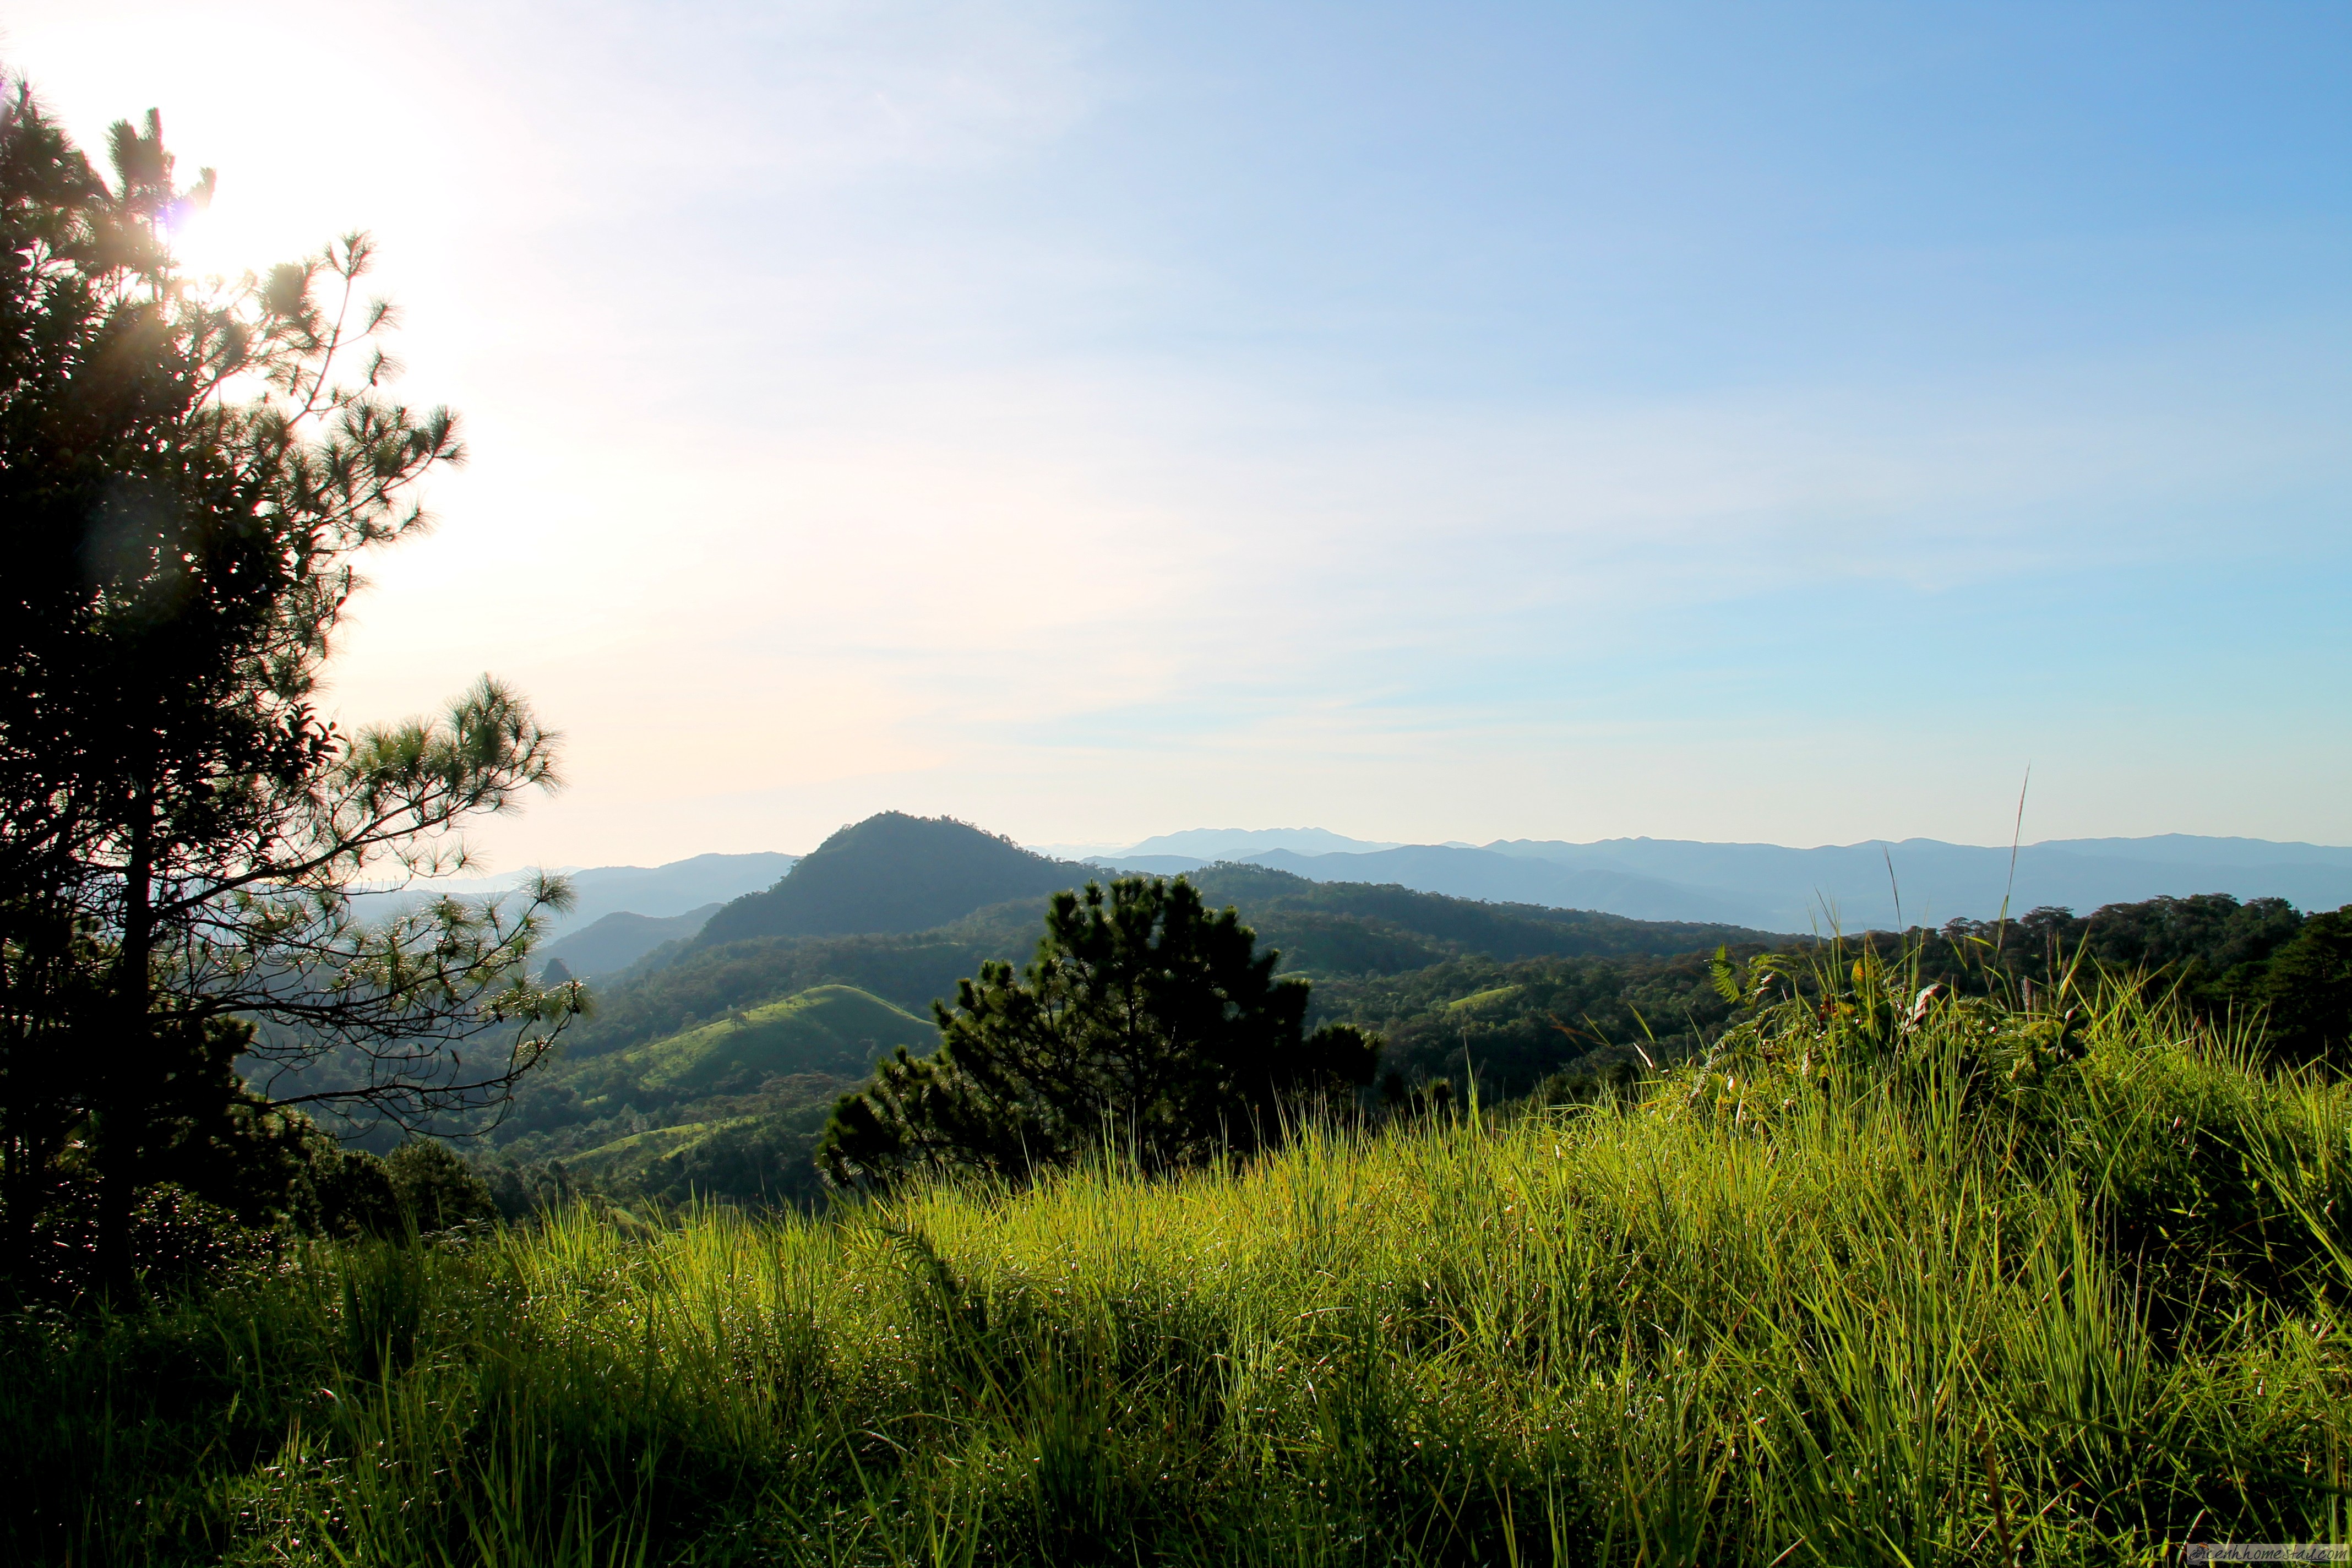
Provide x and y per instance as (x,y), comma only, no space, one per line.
(1984,1286)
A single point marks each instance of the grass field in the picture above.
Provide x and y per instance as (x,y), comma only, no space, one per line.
(1984,1286)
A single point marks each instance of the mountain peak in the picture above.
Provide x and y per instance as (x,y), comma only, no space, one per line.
(893,873)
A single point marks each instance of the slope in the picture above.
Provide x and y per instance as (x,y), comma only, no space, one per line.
(617,941)
(729,1108)
(835,1030)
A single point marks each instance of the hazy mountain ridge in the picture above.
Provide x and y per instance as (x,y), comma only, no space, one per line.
(1858,886)
(617,941)
(1771,886)
(659,892)
(1766,887)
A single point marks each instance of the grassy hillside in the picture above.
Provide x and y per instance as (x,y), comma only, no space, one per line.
(1511,1027)
(729,1107)
(1514,1024)
(825,1029)
(1978,1287)
(907,971)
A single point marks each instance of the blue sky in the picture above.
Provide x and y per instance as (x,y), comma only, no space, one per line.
(1730,422)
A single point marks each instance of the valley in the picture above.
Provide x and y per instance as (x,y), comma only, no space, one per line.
(712,1060)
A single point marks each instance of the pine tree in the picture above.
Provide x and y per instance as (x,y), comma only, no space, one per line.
(1145,1020)
(189,471)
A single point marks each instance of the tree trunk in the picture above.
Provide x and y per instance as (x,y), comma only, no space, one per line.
(30,1053)
(122,1122)
(16,1223)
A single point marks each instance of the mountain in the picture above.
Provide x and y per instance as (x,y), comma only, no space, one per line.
(892,872)
(1505,878)
(674,889)
(617,941)
(2188,848)
(1460,871)
(1856,885)
(1322,930)
(710,1066)
(711,1074)
(1208,844)
(1773,887)
(658,892)
(1332,928)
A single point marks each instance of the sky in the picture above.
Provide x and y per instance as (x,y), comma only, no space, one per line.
(1783,424)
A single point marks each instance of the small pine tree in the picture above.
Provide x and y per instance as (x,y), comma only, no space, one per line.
(1144,1018)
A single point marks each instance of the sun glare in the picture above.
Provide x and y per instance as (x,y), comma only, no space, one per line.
(226,239)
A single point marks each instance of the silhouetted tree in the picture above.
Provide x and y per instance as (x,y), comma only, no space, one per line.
(1144,1018)
(188,470)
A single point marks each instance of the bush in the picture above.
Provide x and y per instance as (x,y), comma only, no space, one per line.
(435,1190)
(179,1243)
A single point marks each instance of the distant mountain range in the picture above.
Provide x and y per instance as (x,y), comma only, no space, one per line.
(940,871)
(617,941)
(821,936)
(600,891)
(1773,888)
(619,913)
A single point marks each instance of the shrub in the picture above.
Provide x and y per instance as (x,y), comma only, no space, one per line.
(435,1190)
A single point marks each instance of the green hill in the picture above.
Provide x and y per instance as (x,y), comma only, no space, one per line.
(891,872)
(1323,930)
(730,1108)
(833,1030)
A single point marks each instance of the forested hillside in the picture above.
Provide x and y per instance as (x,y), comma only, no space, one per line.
(1512,999)
(614,1108)
(1513,1025)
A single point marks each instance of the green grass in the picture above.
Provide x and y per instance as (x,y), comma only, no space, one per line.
(1483,998)
(1985,1290)
(627,1156)
(644,1116)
